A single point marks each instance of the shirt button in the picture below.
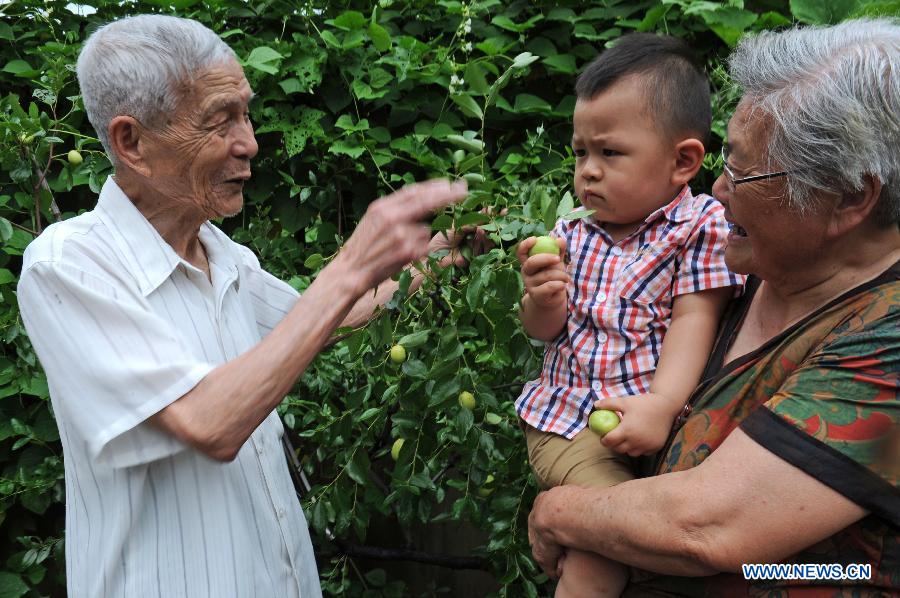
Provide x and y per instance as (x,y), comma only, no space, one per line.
(597,385)
(259,449)
(601,297)
(601,337)
(280,512)
(617,250)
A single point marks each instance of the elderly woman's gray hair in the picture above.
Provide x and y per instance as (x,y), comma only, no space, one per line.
(833,94)
(136,66)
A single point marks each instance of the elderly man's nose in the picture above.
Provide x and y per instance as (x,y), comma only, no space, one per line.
(245,145)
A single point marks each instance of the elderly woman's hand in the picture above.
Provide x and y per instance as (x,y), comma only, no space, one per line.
(547,552)
(453,240)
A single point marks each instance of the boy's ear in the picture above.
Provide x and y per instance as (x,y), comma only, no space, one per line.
(688,160)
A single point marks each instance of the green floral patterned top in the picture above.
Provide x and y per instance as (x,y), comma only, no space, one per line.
(824,396)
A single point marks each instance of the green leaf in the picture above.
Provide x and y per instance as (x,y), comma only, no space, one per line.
(330,39)
(264,59)
(472,219)
(525,102)
(6,230)
(475,77)
(347,147)
(492,418)
(6,32)
(11,585)
(442,222)
(877,8)
(415,339)
(415,368)
(291,85)
(578,214)
(380,37)
(563,63)
(566,205)
(476,146)
(350,20)
(524,59)
(20,68)
(816,12)
(359,466)
(313,261)
(468,105)
(377,577)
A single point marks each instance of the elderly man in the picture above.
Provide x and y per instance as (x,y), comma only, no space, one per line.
(167,346)
(787,452)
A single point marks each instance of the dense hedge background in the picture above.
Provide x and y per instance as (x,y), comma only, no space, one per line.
(355,99)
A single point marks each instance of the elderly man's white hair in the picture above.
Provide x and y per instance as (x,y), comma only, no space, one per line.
(834,96)
(135,66)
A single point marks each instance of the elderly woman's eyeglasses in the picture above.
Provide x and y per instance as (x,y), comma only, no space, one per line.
(733,181)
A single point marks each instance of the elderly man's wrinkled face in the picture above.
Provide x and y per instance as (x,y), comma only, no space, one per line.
(201,159)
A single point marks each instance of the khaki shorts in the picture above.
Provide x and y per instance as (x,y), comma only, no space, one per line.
(582,461)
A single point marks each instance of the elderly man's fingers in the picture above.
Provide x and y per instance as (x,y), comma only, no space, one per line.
(421,199)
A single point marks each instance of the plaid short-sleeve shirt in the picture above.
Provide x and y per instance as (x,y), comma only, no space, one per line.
(620,306)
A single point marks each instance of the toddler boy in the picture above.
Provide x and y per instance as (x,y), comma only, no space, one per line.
(646,267)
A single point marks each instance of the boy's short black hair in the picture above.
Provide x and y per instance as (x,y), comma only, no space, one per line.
(677,89)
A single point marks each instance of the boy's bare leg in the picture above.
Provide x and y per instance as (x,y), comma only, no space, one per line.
(589,575)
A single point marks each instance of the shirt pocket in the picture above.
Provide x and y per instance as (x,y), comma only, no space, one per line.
(646,281)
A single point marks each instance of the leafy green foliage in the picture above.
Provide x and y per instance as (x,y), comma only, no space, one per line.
(354,99)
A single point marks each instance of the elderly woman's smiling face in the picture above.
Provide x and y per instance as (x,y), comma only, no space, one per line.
(767,237)
(201,158)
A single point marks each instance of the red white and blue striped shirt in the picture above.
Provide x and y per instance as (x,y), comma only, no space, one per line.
(620,306)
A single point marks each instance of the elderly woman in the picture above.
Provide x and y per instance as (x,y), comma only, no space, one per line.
(787,452)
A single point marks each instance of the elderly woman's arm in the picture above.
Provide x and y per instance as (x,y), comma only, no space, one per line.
(743,504)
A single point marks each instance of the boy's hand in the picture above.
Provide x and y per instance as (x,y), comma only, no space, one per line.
(646,423)
(544,274)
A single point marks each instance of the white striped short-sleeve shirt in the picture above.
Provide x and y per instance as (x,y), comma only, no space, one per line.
(124,327)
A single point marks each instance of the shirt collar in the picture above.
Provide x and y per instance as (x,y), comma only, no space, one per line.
(147,254)
(677,210)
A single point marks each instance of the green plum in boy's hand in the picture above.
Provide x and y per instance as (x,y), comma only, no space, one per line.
(543,271)
(603,421)
(544,244)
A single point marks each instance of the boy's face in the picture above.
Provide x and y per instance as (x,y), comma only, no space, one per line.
(624,160)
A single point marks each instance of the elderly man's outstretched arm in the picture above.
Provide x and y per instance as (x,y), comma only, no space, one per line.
(219,414)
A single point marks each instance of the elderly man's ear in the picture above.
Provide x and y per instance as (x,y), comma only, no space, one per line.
(854,207)
(128,143)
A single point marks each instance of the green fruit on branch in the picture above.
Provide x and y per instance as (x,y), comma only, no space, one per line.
(486,489)
(75,157)
(603,421)
(544,244)
(467,400)
(395,448)
(398,354)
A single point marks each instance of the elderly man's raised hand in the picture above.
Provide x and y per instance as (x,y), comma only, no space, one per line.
(394,230)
